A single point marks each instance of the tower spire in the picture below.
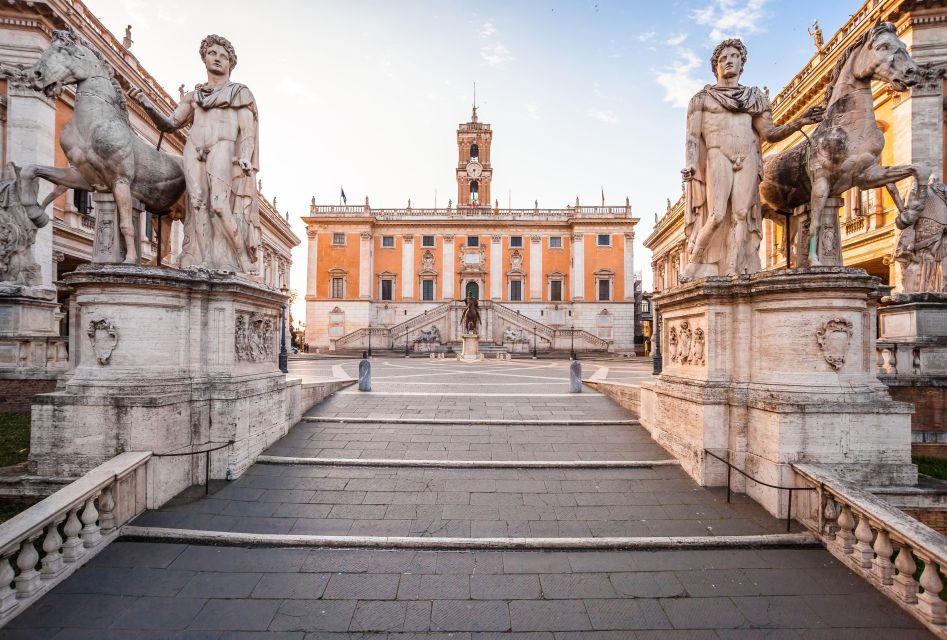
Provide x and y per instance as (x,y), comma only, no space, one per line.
(473,116)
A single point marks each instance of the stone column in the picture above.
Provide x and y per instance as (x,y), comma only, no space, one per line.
(578,266)
(496,268)
(918,116)
(628,267)
(407,267)
(31,139)
(365,269)
(312,264)
(535,268)
(447,286)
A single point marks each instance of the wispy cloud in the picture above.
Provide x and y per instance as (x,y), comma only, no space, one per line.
(493,52)
(602,115)
(731,18)
(647,35)
(295,89)
(678,79)
(676,40)
(532,111)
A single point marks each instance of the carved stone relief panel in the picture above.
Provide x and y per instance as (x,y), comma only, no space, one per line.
(687,342)
(254,337)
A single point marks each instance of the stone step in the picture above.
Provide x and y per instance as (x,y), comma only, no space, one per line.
(469,464)
(355,419)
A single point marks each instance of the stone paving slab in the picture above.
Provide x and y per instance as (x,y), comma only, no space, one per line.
(372,501)
(227,592)
(468,442)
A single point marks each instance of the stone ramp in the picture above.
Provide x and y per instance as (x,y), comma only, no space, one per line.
(146,590)
(329,500)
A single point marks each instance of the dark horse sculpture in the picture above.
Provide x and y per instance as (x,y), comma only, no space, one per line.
(104,153)
(844,151)
(470,318)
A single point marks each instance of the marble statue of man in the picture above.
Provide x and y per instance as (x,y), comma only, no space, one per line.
(816,32)
(222,225)
(725,125)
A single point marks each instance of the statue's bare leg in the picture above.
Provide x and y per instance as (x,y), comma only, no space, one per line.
(820,193)
(122,192)
(219,170)
(720,184)
(196,223)
(743,199)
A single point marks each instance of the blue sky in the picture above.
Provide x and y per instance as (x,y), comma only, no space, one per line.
(367,95)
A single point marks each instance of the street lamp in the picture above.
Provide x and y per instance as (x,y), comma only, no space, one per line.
(534,343)
(369,329)
(283,356)
(656,341)
(572,343)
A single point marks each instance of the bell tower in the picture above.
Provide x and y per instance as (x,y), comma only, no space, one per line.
(474,171)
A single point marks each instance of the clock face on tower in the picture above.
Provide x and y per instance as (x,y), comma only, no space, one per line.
(474,169)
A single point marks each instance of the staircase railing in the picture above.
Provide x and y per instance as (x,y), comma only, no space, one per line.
(510,315)
(415,322)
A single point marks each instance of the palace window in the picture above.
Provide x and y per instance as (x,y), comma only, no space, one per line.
(338,239)
(516,290)
(604,240)
(473,241)
(427,289)
(645,306)
(604,289)
(516,241)
(474,192)
(427,241)
(387,287)
(388,242)
(474,152)
(80,200)
(555,290)
(338,287)
(555,242)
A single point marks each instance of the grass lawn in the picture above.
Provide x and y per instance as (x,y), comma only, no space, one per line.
(934,467)
(14,438)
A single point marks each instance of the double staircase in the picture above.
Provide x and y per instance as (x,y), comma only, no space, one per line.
(394,338)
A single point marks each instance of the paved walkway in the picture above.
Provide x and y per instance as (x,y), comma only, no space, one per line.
(380,465)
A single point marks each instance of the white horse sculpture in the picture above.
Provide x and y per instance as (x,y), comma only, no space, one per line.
(104,153)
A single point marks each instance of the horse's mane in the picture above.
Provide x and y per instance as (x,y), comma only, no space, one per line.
(870,35)
(72,38)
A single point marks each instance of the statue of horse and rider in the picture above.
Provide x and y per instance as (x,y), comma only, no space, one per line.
(470,317)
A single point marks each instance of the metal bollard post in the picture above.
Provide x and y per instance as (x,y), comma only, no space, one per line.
(365,375)
(575,377)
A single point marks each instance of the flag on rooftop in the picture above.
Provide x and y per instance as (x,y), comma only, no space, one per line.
(342,195)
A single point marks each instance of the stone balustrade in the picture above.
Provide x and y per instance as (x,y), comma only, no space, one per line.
(898,358)
(487,213)
(880,543)
(42,546)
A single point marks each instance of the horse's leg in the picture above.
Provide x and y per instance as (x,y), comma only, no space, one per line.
(122,192)
(820,193)
(880,176)
(896,196)
(63,177)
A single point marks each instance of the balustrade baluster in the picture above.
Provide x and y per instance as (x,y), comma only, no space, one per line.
(28,581)
(864,554)
(106,505)
(906,584)
(882,566)
(90,530)
(52,560)
(72,548)
(929,602)
(830,514)
(845,535)
(7,593)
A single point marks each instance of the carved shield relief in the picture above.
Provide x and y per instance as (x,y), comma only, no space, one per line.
(834,338)
(103,335)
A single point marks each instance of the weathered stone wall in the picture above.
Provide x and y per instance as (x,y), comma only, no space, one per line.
(17,395)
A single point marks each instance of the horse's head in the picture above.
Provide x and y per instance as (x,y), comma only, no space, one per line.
(67,60)
(885,57)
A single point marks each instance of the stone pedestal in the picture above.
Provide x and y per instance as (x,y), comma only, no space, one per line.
(32,353)
(166,361)
(776,368)
(470,350)
(912,361)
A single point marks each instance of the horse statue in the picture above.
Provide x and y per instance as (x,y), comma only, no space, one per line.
(104,153)
(921,250)
(844,150)
(470,318)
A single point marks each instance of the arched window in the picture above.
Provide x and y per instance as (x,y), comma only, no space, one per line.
(474,152)
(474,191)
